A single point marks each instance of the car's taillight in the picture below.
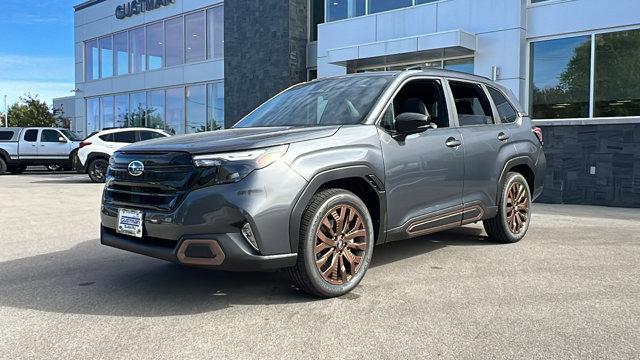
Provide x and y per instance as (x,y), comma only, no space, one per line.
(84,143)
(538,133)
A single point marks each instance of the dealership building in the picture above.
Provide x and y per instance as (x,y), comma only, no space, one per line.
(198,65)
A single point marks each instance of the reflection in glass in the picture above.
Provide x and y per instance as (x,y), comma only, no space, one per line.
(93,115)
(155,46)
(155,109)
(195,37)
(465,65)
(136,48)
(342,9)
(215,106)
(122,110)
(617,74)
(560,71)
(196,109)
(215,28)
(106,112)
(121,48)
(91,62)
(106,57)
(138,108)
(376,6)
(175,111)
(175,41)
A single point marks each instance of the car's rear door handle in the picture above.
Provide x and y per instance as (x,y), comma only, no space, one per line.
(503,137)
(453,142)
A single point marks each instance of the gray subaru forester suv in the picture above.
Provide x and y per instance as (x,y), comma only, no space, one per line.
(315,177)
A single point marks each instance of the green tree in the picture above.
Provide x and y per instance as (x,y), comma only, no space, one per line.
(30,111)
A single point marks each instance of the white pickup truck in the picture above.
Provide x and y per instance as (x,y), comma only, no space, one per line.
(21,147)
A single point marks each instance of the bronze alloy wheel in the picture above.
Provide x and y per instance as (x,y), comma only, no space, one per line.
(340,244)
(517,207)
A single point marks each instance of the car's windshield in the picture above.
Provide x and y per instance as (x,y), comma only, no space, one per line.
(71,135)
(337,101)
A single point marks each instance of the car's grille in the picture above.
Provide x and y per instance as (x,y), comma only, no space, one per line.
(165,181)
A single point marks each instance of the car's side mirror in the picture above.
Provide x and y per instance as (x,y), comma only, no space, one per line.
(410,123)
(62,139)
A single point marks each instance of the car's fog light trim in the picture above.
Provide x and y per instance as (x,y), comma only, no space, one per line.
(248,234)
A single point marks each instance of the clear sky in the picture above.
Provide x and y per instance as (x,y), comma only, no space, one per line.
(36,49)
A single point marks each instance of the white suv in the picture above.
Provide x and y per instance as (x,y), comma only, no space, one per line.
(95,151)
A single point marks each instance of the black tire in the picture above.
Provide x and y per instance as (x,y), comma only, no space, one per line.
(18,169)
(97,170)
(305,274)
(3,166)
(504,227)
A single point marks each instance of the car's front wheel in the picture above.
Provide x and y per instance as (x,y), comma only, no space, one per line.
(336,244)
(514,211)
(97,170)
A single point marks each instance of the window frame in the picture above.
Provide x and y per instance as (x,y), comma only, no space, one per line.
(529,62)
(496,120)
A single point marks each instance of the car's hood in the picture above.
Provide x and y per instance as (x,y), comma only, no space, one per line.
(232,139)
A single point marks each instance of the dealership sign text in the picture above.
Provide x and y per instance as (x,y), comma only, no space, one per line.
(136,7)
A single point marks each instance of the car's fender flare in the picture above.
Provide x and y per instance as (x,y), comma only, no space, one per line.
(5,156)
(93,155)
(511,163)
(354,171)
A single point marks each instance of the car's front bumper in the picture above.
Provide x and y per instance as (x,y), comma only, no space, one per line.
(235,254)
(216,214)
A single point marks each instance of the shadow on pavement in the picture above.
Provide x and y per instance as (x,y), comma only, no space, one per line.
(96,280)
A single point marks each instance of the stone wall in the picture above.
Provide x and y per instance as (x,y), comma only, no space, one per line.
(265,51)
(592,165)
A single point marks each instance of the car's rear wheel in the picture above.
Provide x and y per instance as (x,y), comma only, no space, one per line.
(3,166)
(97,170)
(336,244)
(514,211)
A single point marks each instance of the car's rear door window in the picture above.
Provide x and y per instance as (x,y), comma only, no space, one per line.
(31,135)
(128,137)
(472,104)
(106,137)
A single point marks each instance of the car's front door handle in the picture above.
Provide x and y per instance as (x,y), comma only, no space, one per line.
(453,142)
(503,137)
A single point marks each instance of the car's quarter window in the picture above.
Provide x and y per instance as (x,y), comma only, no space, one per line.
(419,96)
(128,137)
(106,137)
(31,135)
(506,112)
(50,136)
(148,135)
(472,104)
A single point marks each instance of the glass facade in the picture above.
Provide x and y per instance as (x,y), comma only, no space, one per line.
(617,74)
(155,46)
(179,110)
(566,83)
(189,38)
(343,9)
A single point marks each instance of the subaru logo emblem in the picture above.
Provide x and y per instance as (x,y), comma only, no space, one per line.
(136,168)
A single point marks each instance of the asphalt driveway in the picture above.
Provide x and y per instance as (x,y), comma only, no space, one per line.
(570,290)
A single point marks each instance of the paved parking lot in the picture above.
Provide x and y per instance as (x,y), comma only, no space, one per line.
(569,290)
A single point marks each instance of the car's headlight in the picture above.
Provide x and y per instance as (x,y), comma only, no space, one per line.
(232,167)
